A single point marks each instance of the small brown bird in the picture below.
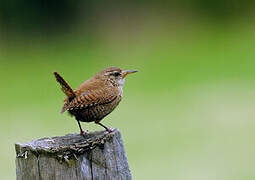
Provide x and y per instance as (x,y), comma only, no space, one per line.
(96,97)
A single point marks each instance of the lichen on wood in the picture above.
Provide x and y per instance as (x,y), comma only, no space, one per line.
(98,155)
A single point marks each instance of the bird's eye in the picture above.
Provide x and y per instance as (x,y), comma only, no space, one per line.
(116,73)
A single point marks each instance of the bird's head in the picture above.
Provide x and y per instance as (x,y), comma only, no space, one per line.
(115,75)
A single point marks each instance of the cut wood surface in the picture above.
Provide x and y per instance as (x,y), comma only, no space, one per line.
(96,156)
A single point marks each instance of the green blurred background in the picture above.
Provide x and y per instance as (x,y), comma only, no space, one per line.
(188,114)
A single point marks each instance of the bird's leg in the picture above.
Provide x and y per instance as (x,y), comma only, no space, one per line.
(81,131)
(106,128)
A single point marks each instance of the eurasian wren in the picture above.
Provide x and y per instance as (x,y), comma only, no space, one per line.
(96,97)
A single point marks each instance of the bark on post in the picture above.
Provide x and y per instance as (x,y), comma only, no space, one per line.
(97,156)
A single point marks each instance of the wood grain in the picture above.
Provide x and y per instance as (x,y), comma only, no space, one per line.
(96,156)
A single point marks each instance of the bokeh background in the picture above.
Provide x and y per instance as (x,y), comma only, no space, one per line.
(188,114)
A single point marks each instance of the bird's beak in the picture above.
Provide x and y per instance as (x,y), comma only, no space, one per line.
(124,73)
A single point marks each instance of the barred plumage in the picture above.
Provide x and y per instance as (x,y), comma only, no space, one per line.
(64,86)
(96,97)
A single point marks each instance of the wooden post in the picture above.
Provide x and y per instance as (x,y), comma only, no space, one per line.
(96,156)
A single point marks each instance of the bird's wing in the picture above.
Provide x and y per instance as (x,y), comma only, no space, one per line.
(86,100)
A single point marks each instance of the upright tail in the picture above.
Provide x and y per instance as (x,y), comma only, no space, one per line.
(64,86)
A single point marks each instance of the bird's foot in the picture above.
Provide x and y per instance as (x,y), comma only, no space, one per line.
(109,130)
(83,132)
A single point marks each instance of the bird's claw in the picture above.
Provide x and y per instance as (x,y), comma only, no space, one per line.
(83,132)
(109,130)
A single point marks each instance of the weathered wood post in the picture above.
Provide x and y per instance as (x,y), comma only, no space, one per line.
(96,156)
